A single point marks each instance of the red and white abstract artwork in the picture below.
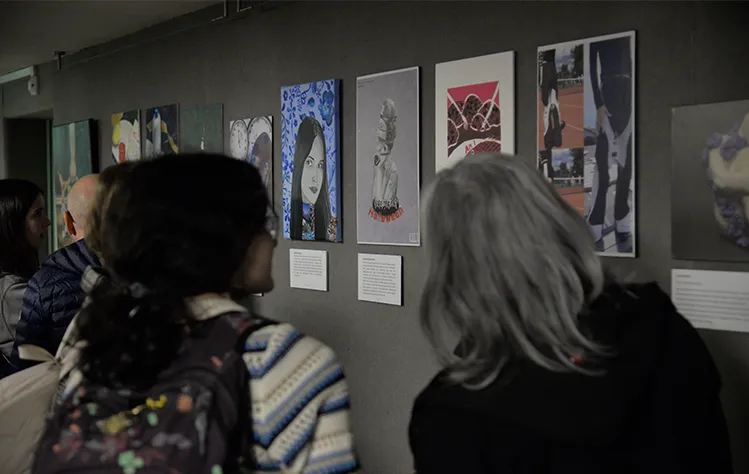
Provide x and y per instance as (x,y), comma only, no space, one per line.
(475,107)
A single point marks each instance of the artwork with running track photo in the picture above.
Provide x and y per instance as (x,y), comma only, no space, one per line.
(710,182)
(387,158)
(475,107)
(586,133)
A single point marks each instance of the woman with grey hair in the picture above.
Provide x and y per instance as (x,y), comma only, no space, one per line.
(559,367)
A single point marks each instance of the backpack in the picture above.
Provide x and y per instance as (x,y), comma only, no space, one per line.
(196,418)
(26,398)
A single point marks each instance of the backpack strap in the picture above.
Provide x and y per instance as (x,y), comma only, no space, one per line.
(34,353)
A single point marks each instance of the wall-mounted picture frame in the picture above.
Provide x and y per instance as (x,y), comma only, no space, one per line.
(75,148)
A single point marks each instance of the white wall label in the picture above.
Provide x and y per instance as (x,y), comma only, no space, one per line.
(308,269)
(380,278)
(711,299)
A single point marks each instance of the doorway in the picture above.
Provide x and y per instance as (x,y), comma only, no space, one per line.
(29,149)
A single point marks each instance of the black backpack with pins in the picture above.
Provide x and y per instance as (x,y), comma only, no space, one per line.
(196,418)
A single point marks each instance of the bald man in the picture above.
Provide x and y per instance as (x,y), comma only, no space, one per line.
(54,294)
(79,202)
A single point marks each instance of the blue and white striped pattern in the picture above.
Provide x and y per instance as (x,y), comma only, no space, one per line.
(300,404)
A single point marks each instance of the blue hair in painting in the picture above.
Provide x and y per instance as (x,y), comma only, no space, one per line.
(310,134)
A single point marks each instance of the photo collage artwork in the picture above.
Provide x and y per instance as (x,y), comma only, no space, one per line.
(586,133)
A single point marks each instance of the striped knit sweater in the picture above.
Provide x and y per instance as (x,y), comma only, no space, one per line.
(300,404)
(300,401)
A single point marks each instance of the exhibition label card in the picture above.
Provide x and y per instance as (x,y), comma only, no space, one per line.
(380,278)
(712,299)
(308,269)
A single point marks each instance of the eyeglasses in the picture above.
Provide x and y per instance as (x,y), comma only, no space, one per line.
(271,222)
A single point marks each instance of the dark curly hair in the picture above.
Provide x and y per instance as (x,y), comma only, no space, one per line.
(17,256)
(176,226)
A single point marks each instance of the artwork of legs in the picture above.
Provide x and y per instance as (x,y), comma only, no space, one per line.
(612,94)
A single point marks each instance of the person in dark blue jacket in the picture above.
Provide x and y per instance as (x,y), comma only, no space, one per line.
(54,294)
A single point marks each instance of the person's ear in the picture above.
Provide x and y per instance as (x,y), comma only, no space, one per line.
(69,223)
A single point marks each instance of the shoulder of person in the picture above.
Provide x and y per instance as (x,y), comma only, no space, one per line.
(274,341)
(440,396)
(649,293)
(71,260)
(9,281)
(686,353)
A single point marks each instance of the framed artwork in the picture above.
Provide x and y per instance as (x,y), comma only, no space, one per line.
(586,133)
(475,107)
(162,131)
(202,129)
(74,152)
(387,158)
(710,182)
(252,140)
(310,138)
(126,136)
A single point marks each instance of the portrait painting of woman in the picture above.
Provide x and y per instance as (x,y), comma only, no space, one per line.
(309,135)
(310,208)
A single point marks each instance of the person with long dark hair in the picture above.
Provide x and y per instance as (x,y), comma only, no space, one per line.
(561,367)
(181,239)
(23,227)
(54,295)
(310,198)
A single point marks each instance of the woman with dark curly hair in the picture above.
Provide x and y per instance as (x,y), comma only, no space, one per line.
(157,383)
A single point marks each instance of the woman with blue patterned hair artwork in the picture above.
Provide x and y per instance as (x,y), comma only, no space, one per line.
(310,199)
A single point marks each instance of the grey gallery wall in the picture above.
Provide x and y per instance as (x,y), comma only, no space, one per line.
(686,54)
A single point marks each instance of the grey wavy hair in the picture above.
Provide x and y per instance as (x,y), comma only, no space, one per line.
(511,268)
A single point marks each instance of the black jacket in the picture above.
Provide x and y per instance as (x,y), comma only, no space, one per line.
(53,297)
(656,410)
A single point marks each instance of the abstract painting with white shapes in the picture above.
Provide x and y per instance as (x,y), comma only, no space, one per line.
(126,136)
